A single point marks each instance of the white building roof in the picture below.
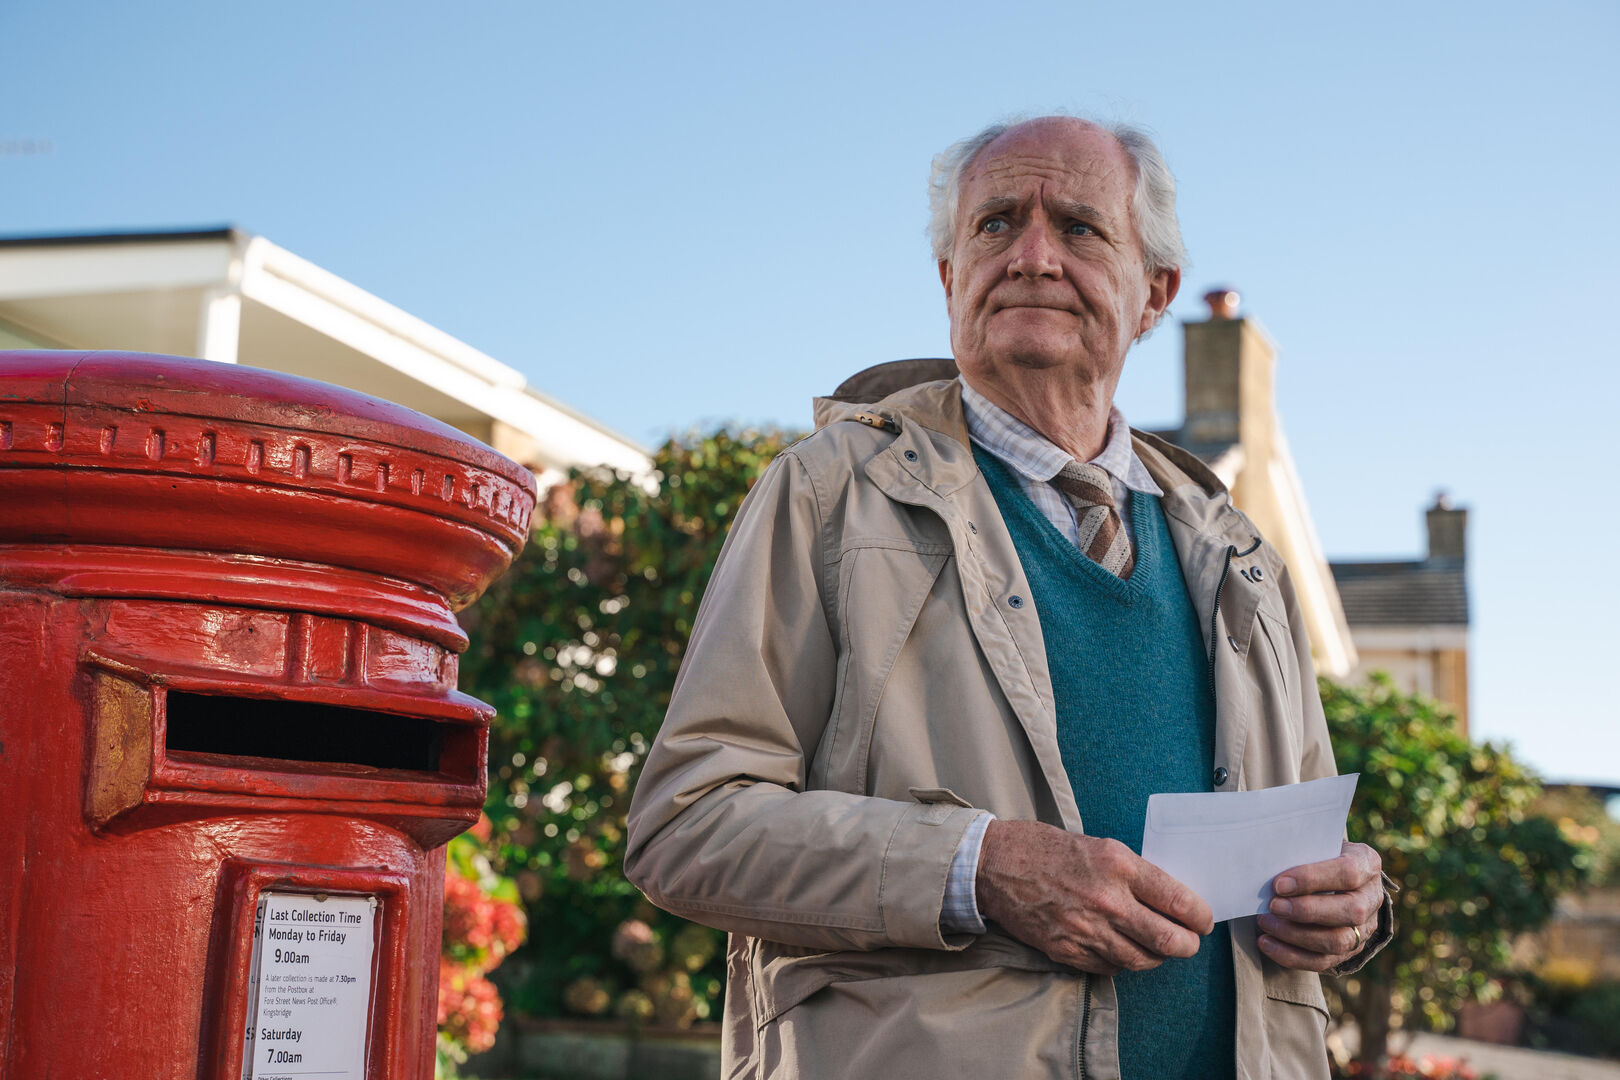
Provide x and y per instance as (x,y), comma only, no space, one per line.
(227,295)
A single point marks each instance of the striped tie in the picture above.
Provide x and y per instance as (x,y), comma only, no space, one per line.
(1102,537)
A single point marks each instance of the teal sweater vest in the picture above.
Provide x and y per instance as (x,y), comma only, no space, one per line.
(1134,716)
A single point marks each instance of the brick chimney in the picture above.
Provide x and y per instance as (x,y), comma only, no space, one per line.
(1230,366)
(1448,526)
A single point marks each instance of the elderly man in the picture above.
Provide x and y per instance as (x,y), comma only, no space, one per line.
(956,638)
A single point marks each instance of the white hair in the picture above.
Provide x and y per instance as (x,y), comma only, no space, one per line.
(1153,204)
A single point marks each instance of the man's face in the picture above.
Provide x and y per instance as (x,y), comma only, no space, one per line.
(1047,268)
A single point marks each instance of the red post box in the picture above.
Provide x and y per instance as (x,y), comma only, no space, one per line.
(231,744)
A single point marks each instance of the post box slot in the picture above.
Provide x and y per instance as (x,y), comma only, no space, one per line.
(300,731)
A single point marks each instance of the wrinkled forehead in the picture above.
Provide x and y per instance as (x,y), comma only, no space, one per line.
(1078,158)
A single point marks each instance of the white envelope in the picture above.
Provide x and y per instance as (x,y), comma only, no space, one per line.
(1228,846)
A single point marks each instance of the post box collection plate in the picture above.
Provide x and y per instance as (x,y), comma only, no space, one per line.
(309,988)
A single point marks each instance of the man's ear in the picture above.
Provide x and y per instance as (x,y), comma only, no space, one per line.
(1162,288)
(945,278)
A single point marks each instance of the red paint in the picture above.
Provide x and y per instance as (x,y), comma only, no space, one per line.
(199,564)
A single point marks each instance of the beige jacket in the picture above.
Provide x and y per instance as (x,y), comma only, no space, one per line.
(859,678)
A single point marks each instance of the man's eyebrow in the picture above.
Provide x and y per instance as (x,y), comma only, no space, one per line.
(1079,210)
(1071,208)
(995,205)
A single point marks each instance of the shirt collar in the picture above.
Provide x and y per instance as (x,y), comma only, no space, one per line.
(1036,457)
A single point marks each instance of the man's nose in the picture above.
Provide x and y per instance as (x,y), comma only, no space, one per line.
(1036,254)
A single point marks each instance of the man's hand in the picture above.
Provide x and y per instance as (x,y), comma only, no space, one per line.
(1324,913)
(1086,902)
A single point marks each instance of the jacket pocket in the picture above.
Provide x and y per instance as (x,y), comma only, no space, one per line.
(785,976)
(1282,651)
(1295,987)
(975,1022)
(1276,675)
(1296,1019)
(882,587)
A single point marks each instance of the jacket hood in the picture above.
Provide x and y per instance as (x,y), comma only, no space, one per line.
(880,390)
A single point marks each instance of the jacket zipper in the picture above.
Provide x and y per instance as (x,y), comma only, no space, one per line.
(1085,1026)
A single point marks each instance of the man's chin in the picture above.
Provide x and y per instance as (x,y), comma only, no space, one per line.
(1030,352)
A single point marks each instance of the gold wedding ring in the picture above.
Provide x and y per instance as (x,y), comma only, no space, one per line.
(1357,931)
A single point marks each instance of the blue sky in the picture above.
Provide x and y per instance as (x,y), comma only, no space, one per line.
(673,216)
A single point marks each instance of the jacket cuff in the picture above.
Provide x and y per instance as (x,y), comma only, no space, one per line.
(1382,936)
(916,870)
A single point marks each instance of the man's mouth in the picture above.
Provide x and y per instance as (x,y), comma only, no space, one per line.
(1036,306)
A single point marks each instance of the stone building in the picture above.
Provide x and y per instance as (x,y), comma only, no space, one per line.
(1232,424)
(1410,617)
(1406,617)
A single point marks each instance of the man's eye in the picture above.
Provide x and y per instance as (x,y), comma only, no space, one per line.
(1080,228)
(993,226)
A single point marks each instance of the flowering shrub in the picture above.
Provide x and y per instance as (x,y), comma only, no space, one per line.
(479,930)
(469,1007)
(578,649)
(655,984)
(483,922)
(1451,820)
(1400,1067)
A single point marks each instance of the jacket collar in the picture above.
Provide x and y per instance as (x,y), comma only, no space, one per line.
(1193,494)
(928,421)
(936,405)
